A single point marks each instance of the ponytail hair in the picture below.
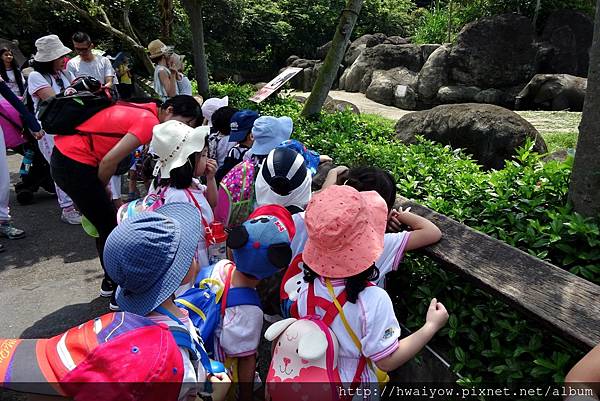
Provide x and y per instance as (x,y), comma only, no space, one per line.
(354,284)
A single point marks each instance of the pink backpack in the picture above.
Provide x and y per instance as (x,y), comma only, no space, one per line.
(11,124)
(236,195)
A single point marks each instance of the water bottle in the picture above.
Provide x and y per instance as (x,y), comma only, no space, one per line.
(27,161)
(217,247)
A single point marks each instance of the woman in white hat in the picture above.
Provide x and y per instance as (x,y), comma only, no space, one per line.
(47,80)
(165,75)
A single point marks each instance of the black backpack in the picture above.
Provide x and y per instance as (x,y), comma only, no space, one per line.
(61,114)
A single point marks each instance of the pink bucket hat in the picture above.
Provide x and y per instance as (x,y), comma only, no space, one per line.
(345,231)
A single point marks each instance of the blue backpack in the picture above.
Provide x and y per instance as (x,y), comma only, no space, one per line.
(206,307)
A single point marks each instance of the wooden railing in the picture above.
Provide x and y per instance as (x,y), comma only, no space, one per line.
(566,304)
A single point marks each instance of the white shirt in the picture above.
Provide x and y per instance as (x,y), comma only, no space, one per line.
(37,81)
(239,332)
(12,83)
(184,86)
(99,68)
(180,195)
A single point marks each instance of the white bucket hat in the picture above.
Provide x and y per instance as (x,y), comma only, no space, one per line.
(50,48)
(173,142)
(211,105)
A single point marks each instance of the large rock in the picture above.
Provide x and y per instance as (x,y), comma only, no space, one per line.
(306,78)
(381,57)
(396,40)
(406,98)
(322,50)
(428,49)
(360,44)
(495,96)
(494,52)
(490,133)
(383,84)
(569,35)
(434,73)
(457,94)
(337,105)
(553,92)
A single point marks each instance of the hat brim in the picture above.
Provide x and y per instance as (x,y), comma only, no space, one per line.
(53,55)
(239,136)
(26,367)
(286,126)
(367,244)
(196,144)
(190,235)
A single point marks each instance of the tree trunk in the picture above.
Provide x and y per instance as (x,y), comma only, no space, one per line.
(194,11)
(450,22)
(536,14)
(584,190)
(332,62)
(166,19)
(102,22)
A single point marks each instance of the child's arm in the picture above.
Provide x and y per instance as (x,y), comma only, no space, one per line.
(332,176)
(411,345)
(211,183)
(423,233)
(586,373)
(246,368)
(220,383)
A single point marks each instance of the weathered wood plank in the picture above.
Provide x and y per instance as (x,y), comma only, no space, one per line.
(567,304)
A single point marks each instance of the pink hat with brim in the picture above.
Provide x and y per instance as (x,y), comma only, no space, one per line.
(345,231)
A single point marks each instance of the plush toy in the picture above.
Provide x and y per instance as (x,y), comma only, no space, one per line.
(304,363)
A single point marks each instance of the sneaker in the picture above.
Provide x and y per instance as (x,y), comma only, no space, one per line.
(71,216)
(112,305)
(107,288)
(9,231)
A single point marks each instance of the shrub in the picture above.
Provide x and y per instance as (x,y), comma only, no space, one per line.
(485,339)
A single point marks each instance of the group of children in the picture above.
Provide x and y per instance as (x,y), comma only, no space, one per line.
(338,242)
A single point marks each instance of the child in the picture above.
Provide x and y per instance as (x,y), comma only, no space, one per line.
(218,141)
(260,249)
(211,105)
(240,132)
(268,132)
(151,255)
(182,156)
(345,237)
(184,86)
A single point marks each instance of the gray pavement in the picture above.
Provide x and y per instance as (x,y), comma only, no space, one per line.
(50,280)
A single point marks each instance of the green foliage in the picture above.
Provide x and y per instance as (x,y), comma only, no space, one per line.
(523,205)
(560,140)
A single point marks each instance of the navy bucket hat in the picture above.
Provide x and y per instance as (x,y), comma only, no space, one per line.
(149,254)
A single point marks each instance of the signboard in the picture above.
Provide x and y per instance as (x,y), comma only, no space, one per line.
(275,84)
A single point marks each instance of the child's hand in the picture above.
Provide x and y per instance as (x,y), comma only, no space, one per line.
(437,315)
(395,223)
(324,159)
(220,383)
(211,168)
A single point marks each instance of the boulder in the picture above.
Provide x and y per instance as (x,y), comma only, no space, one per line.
(494,52)
(434,73)
(495,96)
(569,33)
(428,49)
(322,50)
(405,97)
(360,44)
(290,60)
(259,85)
(457,94)
(305,79)
(395,40)
(558,156)
(336,105)
(383,84)
(553,92)
(357,77)
(490,133)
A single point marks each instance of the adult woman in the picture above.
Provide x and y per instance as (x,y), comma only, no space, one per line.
(83,164)
(10,73)
(165,76)
(47,80)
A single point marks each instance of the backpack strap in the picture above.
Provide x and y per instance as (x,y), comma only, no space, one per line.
(231,267)
(243,296)
(191,197)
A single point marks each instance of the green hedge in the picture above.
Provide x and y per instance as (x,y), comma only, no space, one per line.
(525,205)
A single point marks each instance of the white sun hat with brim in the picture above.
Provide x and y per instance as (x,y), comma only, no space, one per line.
(49,48)
(211,105)
(173,142)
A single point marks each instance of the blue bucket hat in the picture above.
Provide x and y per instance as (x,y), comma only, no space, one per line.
(269,132)
(311,157)
(241,124)
(149,254)
(261,246)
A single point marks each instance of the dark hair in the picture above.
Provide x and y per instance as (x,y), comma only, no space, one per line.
(374,179)
(354,284)
(81,37)
(221,119)
(46,67)
(15,68)
(184,106)
(181,177)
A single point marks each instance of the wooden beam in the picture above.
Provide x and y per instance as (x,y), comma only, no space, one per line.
(567,304)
